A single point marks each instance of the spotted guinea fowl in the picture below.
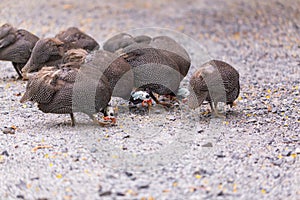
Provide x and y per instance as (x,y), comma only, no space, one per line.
(159,64)
(50,51)
(69,90)
(215,81)
(16,46)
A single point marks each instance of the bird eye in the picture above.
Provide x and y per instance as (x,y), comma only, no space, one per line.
(147,96)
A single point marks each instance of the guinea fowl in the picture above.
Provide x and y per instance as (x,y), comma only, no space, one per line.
(215,81)
(159,64)
(16,46)
(50,51)
(68,90)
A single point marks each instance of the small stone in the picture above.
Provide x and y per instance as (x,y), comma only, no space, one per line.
(286,152)
(93,150)
(297,150)
(5,153)
(171,118)
(252,120)
(200,131)
(126,136)
(274,110)
(276,174)
(19,196)
(9,130)
(277,162)
(143,184)
(105,193)
(220,154)
(129,174)
(120,194)
(290,160)
(209,144)
(64,150)
(157,111)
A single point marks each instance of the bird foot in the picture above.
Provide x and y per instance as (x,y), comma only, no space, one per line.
(218,115)
(101,123)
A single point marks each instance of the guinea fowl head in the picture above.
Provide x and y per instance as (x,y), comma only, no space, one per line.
(109,114)
(45,51)
(75,38)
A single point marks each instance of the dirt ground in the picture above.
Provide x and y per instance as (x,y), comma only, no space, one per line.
(178,154)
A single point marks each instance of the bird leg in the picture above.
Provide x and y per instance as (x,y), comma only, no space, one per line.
(72,119)
(215,111)
(101,123)
(17,68)
(165,104)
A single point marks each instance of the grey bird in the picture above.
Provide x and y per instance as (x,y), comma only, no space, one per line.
(159,64)
(50,51)
(215,81)
(16,46)
(68,90)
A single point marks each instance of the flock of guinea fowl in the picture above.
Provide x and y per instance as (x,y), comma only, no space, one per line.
(70,73)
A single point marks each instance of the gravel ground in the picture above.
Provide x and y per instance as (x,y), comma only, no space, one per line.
(179,154)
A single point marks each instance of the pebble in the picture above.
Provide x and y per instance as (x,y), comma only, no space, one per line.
(209,144)
(5,153)
(105,193)
(9,130)
(93,150)
(141,184)
(220,154)
(297,150)
(277,161)
(276,174)
(286,152)
(252,120)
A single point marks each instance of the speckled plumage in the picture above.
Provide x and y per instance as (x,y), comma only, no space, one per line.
(50,51)
(159,64)
(215,81)
(68,90)
(125,43)
(16,46)
(153,71)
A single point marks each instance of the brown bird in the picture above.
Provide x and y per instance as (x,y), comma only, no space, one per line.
(68,90)
(159,64)
(16,46)
(215,81)
(50,51)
